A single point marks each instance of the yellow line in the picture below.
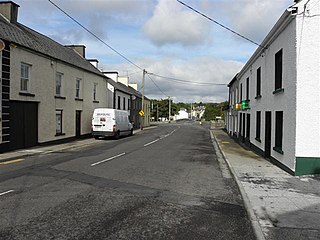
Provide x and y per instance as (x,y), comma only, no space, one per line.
(225,142)
(11,161)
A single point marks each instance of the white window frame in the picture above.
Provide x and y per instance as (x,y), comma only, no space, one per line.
(59,80)
(59,118)
(25,77)
(78,87)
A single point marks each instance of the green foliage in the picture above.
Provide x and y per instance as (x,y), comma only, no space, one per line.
(214,110)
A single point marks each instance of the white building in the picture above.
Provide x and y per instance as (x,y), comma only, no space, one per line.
(275,98)
(182,114)
(49,91)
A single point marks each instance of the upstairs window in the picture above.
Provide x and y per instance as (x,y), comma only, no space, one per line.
(258,82)
(247,89)
(240,92)
(124,103)
(278,70)
(78,87)
(59,77)
(25,77)
(95,86)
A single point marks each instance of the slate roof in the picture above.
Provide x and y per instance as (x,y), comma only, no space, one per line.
(28,38)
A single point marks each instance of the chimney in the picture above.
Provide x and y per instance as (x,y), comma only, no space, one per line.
(111,75)
(124,80)
(9,10)
(134,86)
(94,62)
(81,49)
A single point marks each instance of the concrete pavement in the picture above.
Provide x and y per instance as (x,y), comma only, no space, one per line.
(281,206)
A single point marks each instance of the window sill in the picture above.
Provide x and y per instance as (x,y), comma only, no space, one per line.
(258,139)
(79,99)
(280,90)
(27,94)
(258,97)
(95,101)
(59,97)
(278,150)
(59,134)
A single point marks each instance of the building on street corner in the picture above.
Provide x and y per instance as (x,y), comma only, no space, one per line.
(274,100)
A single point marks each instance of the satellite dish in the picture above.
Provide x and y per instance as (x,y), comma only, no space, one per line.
(2,45)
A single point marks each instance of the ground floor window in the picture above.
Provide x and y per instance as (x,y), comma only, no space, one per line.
(58,122)
(258,125)
(278,132)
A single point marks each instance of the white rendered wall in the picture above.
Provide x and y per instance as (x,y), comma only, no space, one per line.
(42,84)
(283,101)
(308,84)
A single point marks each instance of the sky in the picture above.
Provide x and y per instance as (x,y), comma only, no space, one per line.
(163,37)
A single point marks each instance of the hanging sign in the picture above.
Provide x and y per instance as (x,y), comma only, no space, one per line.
(2,45)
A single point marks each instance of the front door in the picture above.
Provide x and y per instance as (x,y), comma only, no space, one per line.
(267,145)
(78,124)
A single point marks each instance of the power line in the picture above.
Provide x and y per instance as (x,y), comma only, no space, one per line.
(221,25)
(187,81)
(77,22)
(157,85)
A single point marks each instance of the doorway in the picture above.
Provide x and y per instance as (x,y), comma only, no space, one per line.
(267,144)
(78,124)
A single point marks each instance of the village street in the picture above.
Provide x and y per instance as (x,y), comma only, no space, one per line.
(162,183)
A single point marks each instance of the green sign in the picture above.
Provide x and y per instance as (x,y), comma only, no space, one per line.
(245,104)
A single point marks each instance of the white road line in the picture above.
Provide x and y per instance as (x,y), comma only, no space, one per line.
(108,159)
(6,192)
(147,144)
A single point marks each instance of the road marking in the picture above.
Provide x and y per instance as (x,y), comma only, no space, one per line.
(108,159)
(225,142)
(11,161)
(9,191)
(147,144)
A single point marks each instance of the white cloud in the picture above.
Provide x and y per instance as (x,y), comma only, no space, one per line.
(199,69)
(254,18)
(171,24)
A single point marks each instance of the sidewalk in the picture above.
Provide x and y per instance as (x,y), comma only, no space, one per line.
(280,206)
(7,157)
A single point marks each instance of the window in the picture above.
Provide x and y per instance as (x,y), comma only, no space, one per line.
(124,103)
(258,125)
(279,132)
(78,87)
(58,83)
(247,89)
(25,77)
(240,92)
(119,101)
(258,82)
(58,122)
(128,104)
(278,71)
(95,85)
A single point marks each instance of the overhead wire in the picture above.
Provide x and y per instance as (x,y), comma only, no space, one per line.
(220,24)
(93,34)
(157,86)
(188,81)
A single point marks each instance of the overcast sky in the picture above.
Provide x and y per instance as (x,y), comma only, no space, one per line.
(163,37)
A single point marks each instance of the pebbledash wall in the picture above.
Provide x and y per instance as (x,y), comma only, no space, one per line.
(297,35)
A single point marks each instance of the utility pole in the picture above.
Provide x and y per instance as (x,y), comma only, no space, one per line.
(142,91)
(169,108)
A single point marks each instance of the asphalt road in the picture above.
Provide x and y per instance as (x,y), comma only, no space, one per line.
(163,183)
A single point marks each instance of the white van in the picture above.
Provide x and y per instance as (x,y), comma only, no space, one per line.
(111,122)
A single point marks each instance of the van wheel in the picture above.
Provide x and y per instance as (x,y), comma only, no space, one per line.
(131,132)
(117,135)
(96,137)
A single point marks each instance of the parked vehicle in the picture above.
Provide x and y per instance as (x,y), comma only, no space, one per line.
(111,122)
